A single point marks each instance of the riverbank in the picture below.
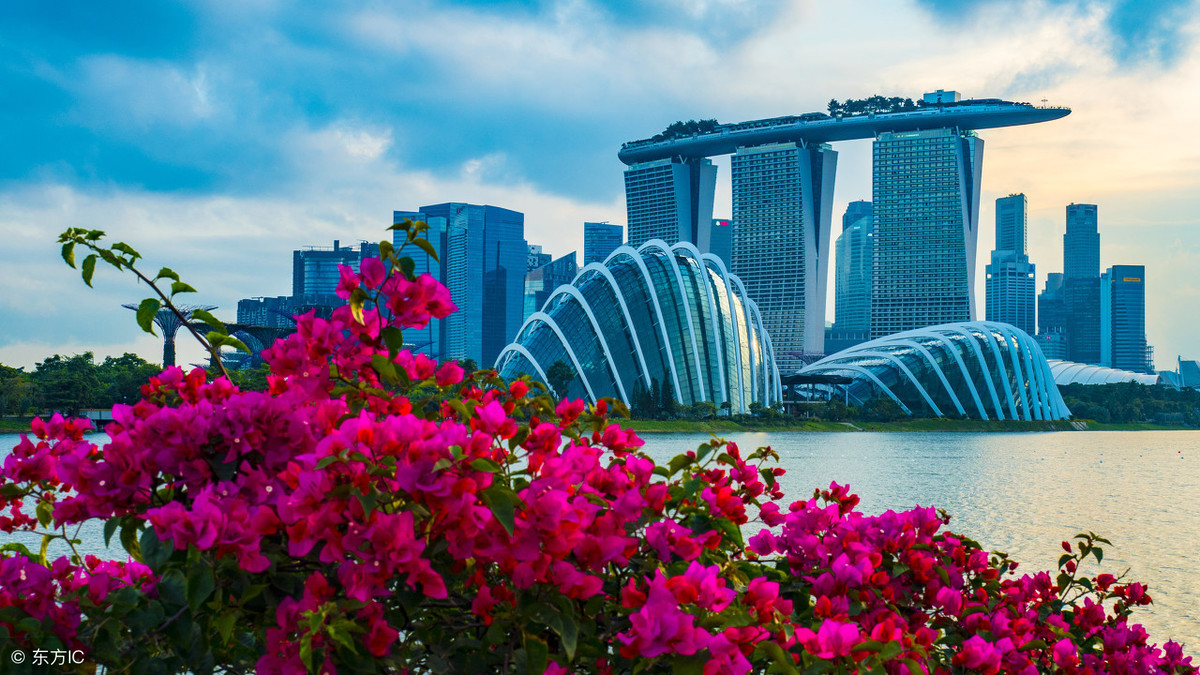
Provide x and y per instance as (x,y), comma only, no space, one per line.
(924,425)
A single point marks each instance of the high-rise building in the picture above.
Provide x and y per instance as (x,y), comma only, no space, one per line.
(429,340)
(671,200)
(536,258)
(720,240)
(315,269)
(1081,283)
(853,261)
(926,202)
(1010,284)
(1123,319)
(599,240)
(782,197)
(541,282)
(1081,243)
(483,264)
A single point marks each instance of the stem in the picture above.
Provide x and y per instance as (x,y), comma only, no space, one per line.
(187,322)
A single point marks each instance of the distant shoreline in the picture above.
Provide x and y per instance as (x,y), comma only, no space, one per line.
(10,426)
(921,425)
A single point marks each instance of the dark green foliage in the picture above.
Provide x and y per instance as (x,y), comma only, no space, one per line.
(1131,403)
(683,129)
(560,375)
(871,105)
(69,384)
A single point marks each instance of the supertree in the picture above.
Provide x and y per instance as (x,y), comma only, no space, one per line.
(169,323)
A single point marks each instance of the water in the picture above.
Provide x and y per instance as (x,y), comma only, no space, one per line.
(1021,493)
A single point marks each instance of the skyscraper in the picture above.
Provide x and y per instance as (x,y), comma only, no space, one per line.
(600,239)
(1081,283)
(483,265)
(536,258)
(782,197)
(541,282)
(1123,319)
(926,201)
(671,200)
(1052,318)
(429,340)
(315,269)
(852,277)
(1010,284)
(1081,243)
(720,240)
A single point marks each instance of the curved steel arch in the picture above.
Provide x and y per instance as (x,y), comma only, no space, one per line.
(520,349)
(989,336)
(687,310)
(937,369)
(587,309)
(908,373)
(751,321)
(612,283)
(662,324)
(714,313)
(982,365)
(549,322)
(876,380)
(1010,338)
(733,323)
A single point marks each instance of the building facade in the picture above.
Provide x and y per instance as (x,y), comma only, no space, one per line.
(670,199)
(720,240)
(782,197)
(852,277)
(662,321)
(599,240)
(484,258)
(980,370)
(1010,285)
(926,188)
(1123,319)
(315,269)
(541,282)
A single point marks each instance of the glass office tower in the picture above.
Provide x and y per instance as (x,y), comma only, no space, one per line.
(483,265)
(926,200)
(852,276)
(1010,283)
(782,196)
(1123,319)
(1081,283)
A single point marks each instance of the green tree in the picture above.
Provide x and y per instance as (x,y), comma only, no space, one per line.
(560,374)
(69,384)
(122,378)
(16,390)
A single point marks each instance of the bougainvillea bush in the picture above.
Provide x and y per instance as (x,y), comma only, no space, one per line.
(377,512)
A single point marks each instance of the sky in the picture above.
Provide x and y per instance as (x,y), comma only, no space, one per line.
(216,137)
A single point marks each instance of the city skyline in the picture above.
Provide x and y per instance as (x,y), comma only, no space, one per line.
(217,156)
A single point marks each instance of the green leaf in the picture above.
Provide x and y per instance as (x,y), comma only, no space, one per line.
(126,249)
(781,659)
(427,247)
(167,273)
(393,337)
(45,513)
(110,528)
(68,253)
(172,589)
(89,268)
(46,539)
(129,540)
(1099,553)
(156,552)
(688,665)
(200,584)
(224,625)
(146,313)
(407,266)
(536,653)
(212,321)
(570,635)
(502,506)
(484,464)
(181,287)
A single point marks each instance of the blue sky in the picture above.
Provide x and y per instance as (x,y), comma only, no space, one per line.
(216,137)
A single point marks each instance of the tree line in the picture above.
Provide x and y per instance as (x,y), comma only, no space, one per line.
(69,384)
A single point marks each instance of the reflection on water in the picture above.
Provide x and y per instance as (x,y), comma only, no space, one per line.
(1021,493)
